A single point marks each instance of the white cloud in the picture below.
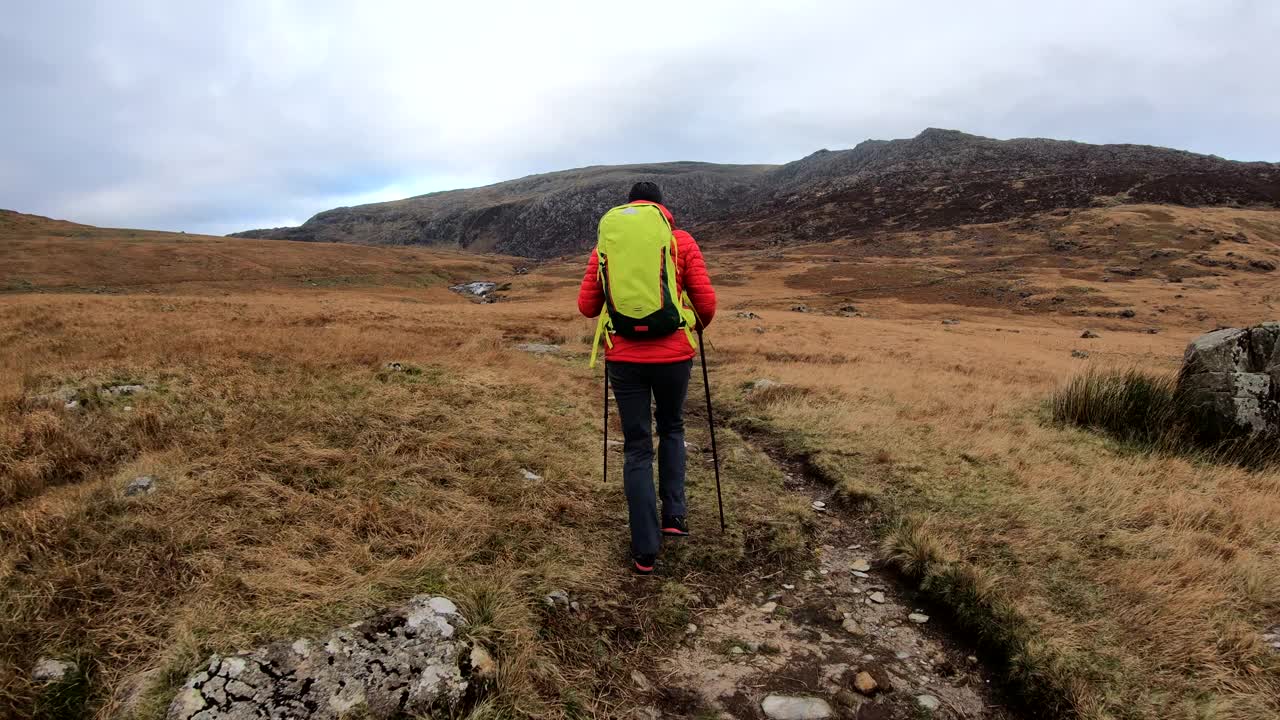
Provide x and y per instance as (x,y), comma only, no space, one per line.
(229,115)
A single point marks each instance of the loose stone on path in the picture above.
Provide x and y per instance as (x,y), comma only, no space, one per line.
(928,702)
(784,707)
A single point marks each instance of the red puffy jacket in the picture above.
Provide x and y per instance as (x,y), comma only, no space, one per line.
(691,277)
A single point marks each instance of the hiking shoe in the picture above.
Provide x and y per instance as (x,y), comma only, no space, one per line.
(675,525)
(643,564)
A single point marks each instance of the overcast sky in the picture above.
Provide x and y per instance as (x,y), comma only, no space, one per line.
(223,116)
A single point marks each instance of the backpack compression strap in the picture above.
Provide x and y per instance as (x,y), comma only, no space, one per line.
(600,331)
(683,297)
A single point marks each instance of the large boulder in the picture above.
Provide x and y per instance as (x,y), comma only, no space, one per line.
(1230,381)
(404,662)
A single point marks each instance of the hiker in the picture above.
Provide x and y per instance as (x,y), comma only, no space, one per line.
(656,366)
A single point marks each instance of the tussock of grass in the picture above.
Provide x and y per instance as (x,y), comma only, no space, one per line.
(1130,404)
(1150,411)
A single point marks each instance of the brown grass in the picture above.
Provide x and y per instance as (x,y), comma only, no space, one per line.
(302,485)
(1126,583)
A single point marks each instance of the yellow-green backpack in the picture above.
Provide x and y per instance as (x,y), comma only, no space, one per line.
(637,257)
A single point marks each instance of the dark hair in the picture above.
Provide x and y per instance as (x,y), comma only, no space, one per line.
(645,190)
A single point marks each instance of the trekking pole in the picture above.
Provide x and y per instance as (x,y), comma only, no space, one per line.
(606,421)
(711,421)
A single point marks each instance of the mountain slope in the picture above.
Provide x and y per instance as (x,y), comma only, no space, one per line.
(536,216)
(938,178)
(943,178)
(45,255)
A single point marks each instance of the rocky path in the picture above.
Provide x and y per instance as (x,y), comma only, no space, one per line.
(840,638)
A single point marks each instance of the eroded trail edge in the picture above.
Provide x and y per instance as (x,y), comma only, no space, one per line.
(842,636)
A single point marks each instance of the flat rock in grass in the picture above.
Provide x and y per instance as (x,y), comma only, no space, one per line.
(530,475)
(557,597)
(918,618)
(641,682)
(119,390)
(405,661)
(764,384)
(950,322)
(480,288)
(144,485)
(786,707)
(49,670)
(1080,354)
(1089,335)
(539,348)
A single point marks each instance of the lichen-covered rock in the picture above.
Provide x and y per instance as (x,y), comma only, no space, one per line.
(1230,381)
(405,661)
(49,670)
(479,288)
(142,485)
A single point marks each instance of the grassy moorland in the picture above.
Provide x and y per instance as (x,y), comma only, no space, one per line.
(1118,580)
(303,484)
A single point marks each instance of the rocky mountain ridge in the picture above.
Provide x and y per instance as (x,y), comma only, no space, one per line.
(938,178)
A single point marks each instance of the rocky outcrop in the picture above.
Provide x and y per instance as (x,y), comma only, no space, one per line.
(1230,383)
(404,662)
(938,178)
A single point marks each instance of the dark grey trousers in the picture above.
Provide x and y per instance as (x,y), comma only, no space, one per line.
(634,384)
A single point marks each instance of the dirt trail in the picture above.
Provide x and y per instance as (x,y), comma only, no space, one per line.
(798,641)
